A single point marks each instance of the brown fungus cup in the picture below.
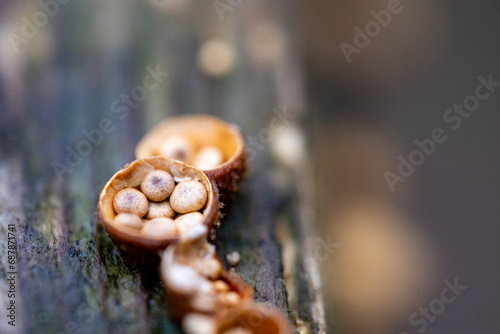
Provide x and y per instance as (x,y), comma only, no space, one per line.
(252,318)
(205,142)
(195,280)
(247,317)
(135,209)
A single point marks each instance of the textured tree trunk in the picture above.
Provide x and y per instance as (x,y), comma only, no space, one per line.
(69,277)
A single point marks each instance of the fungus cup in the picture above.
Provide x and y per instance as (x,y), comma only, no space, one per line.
(195,280)
(252,318)
(203,141)
(158,229)
(245,318)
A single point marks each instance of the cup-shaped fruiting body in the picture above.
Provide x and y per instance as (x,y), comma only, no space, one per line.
(195,279)
(245,318)
(157,229)
(206,142)
(252,318)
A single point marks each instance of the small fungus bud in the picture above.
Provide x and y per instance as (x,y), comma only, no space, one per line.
(210,268)
(130,200)
(157,185)
(188,221)
(160,210)
(159,228)
(130,220)
(208,157)
(232,298)
(188,196)
(237,330)
(195,323)
(221,286)
(178,148)
(233,259)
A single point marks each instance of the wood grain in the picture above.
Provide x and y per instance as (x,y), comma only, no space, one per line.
(71,278)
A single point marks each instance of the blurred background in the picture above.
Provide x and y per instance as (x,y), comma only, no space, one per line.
(368,79)
(400,245)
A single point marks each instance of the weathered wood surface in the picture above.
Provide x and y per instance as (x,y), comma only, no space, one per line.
(70,278)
